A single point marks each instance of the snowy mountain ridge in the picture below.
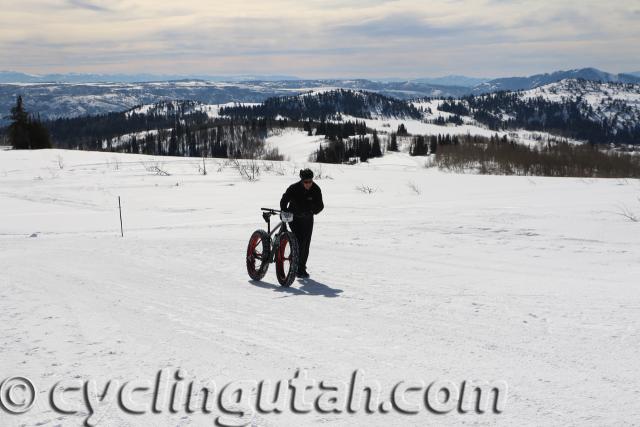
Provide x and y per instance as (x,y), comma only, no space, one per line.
(55,100)
(72,99)
(619,103)
(531,82)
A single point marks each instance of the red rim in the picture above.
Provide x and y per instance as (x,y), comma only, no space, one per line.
(281,258)
(252,255)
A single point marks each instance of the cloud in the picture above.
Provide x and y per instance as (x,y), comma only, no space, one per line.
(320,37)
(85,4)
(397,25)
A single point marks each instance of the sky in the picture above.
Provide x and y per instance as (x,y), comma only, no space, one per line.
(319,38)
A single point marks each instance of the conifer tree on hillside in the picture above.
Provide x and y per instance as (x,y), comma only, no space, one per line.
(376,149)
(25,132)
(393,142)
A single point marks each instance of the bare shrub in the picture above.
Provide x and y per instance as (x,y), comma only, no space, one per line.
(627,213)
(202,169)
(365,189)
(275,168)
(414,187)
(248,169)
(320,174)
(223,165)
(156,168)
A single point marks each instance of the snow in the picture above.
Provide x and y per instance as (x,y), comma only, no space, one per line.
(127,137)
(296,145)
(524,279)
(615,102)
(212,110)
(419,127)
(592,92)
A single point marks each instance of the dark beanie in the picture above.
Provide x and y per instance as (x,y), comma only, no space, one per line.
(306,174)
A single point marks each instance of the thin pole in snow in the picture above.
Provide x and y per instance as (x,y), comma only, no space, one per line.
(120,209)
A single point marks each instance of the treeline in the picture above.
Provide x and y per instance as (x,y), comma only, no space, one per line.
(88,132)
(422,145)
(574,119)
(453,119)
(325,106)
(336,131)
(501,156)
(351,150)
(171,129)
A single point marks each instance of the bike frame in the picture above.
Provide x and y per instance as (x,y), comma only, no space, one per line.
(277,231)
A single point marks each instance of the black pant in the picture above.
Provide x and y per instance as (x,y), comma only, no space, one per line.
(302,227)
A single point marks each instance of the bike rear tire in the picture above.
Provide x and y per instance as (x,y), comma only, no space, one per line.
(286,259)
(258,254)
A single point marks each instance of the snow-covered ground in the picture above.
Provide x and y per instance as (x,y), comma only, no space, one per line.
(432,276)
(295,145)
(616,102)
(594,93)
(470,127)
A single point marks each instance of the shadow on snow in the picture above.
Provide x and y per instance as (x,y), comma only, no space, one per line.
(307,287)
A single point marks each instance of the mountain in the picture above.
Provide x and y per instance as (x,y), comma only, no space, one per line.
(453,80)
(531,82)
(617,104)
(53,100)
(581,110)
(326,105)
(584,110)
(397,89)
(16,77)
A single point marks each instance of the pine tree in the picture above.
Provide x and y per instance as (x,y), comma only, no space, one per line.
(25,132)
(38,134)
(376,150)
(393,142)
(433,144)
(19,128)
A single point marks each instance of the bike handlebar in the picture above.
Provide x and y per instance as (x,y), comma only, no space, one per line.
(269,211)
(273,211)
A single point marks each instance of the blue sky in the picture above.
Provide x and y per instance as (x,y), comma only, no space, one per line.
(314,38)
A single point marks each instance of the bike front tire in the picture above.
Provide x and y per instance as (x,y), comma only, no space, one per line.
(258,254)
(287,259)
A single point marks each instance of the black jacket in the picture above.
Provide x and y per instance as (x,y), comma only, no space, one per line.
(300,201)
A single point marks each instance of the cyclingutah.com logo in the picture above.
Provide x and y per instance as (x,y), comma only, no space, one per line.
(236,403)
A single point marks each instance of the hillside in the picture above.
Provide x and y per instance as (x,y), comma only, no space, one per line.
(55,100)
(71,97)
(326,105)
(359,125)
(618,104)
(532,82)
(600,113)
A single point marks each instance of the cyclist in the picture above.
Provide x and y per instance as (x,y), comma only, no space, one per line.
(304,200)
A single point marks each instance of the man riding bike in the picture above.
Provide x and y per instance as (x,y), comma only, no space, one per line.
(304,200)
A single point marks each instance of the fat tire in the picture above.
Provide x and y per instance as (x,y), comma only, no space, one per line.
(257,268)
(286,278)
